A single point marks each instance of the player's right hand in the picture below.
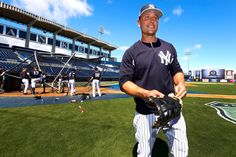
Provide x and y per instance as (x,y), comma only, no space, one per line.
(153,93)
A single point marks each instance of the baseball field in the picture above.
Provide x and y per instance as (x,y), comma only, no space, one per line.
(105,129)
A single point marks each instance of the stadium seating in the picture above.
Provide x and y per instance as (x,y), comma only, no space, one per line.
(15,58)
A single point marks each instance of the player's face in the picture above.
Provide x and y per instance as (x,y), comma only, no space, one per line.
(148,23)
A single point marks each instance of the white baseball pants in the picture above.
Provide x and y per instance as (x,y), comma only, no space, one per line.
(26,85)
(34,81)
(71,86)
(146,135)
(95,85)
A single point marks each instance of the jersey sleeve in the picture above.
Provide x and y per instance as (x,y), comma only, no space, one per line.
(127,68)
(175,66)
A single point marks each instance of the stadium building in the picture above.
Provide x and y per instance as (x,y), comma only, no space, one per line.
(52,47)
(211,75)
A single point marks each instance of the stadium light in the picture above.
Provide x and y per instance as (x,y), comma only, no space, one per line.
(101,31)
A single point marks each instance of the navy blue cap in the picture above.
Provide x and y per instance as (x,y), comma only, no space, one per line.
(151,7)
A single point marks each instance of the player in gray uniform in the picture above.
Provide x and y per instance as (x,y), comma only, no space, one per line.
(150,68)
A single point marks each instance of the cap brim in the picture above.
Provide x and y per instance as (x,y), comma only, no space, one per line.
(157,11)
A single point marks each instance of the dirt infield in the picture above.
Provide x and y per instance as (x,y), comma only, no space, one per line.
(82,90)
(50,92)
(212,96)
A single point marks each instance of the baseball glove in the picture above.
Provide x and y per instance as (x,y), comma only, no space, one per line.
(166,109)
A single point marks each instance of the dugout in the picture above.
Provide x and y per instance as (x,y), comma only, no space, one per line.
(11,83)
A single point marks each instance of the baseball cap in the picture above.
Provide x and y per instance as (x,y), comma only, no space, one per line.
(150,7)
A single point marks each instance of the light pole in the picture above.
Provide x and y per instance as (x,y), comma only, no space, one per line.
(101,31)
(188,54)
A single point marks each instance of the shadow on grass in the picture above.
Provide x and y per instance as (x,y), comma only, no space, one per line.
(160,149)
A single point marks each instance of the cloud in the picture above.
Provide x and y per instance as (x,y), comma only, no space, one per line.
(192,48)
(178,11)
(109,1)
(56,10)
(184,58)
(107,32)
(166,19)
(198,46)
(123,48)
(210,67)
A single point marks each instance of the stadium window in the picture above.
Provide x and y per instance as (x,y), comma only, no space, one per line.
(81,49)
(11,31)
(33,37)
(58,43)
(86,50)
(76,48)
(94,52)
(41,39)
(99,53)
(22,34)
(70,46)
(64,45)
(1,29)
(50,41)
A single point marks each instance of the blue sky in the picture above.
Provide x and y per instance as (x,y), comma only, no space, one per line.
(206,28)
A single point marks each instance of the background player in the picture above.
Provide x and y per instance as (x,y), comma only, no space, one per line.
(156,77)
(62,82)
(2,79)
(71,82)
(36,76)
(24,74)
(96,82)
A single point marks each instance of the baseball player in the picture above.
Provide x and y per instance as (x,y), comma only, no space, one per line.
(159,75)
(36,76)
(71,82)
(2,79)
(24,74)
(96,82)
(63,79)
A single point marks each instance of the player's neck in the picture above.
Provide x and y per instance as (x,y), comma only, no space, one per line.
(152,44)
(148,39)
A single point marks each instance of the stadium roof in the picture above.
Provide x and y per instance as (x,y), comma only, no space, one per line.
(18,15)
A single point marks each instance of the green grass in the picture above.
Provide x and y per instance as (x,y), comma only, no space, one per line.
(105,130)
(61,130)
(213,88)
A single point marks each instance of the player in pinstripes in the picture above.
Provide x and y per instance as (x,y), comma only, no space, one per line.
(150,68)
(96,82)
(71,82)
(25,78)
(36,76)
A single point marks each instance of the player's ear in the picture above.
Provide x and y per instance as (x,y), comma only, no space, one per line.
(138,23)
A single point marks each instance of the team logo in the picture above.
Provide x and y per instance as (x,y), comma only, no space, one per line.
(225,110)
(151,6)
(165,59)
(212,73)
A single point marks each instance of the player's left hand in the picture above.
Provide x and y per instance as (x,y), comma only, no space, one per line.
(180,91)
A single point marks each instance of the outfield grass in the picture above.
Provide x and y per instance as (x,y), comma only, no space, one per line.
(212,88)
(104,130)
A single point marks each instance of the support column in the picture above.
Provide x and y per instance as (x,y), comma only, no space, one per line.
(54,41)
(28,32)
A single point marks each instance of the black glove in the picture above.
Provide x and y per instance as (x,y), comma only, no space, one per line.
(167,109)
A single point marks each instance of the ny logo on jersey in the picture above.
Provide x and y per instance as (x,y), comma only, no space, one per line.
(165,59)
